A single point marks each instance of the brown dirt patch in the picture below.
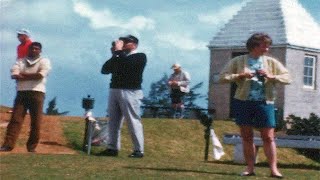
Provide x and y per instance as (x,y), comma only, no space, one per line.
(52,140)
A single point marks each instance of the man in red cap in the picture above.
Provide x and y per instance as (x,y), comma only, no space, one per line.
(24,38)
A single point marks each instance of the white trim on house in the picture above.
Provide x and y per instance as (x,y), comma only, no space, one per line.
(313,76)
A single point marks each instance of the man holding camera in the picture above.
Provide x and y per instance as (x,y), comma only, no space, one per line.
(179,85)
(126,66)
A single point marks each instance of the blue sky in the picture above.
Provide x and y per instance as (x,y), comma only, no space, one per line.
(76,36)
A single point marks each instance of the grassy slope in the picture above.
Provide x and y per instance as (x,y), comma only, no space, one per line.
(173,148)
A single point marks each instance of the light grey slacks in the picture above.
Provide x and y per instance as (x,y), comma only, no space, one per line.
(125,104)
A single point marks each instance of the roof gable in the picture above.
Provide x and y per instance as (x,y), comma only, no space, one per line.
(286,21)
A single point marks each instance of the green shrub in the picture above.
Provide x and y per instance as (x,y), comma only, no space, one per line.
(307,127)
(304,126)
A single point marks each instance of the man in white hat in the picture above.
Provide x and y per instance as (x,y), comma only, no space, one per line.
(24,38)
(179,86)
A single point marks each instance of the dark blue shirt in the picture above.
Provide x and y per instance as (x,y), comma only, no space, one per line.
(126,70)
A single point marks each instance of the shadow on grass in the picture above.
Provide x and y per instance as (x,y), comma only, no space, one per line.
(280,165)
(181,170)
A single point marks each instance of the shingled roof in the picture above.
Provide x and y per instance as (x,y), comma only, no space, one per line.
(286,21)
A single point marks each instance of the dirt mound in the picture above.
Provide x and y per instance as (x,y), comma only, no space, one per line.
(52,140)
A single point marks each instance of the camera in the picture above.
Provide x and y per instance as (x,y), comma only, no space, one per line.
(260,76)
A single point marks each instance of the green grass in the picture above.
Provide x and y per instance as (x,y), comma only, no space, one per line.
(173,150)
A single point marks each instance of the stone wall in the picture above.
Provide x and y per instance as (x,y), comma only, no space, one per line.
(299,100)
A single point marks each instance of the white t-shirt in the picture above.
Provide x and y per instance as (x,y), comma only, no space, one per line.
(40,65)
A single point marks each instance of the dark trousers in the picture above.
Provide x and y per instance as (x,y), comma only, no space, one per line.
(177,102)
(176,96)
(25,100)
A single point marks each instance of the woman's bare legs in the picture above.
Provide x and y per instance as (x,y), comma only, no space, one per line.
(249,149)
(269,147)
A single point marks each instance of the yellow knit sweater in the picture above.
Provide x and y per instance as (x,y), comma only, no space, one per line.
(238,65)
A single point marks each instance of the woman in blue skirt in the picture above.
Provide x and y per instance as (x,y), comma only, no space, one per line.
(256,76)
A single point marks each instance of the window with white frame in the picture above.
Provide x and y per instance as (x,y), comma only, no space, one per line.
(309,72)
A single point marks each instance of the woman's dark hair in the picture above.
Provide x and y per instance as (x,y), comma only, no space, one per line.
(36,44)
(256,39)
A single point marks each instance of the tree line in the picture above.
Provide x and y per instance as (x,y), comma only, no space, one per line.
(159,100)
(158,97)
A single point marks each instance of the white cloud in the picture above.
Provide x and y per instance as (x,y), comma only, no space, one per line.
(140,22)
(223,15)
(105,18)
(183,42)
(51,13)
(5,3)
